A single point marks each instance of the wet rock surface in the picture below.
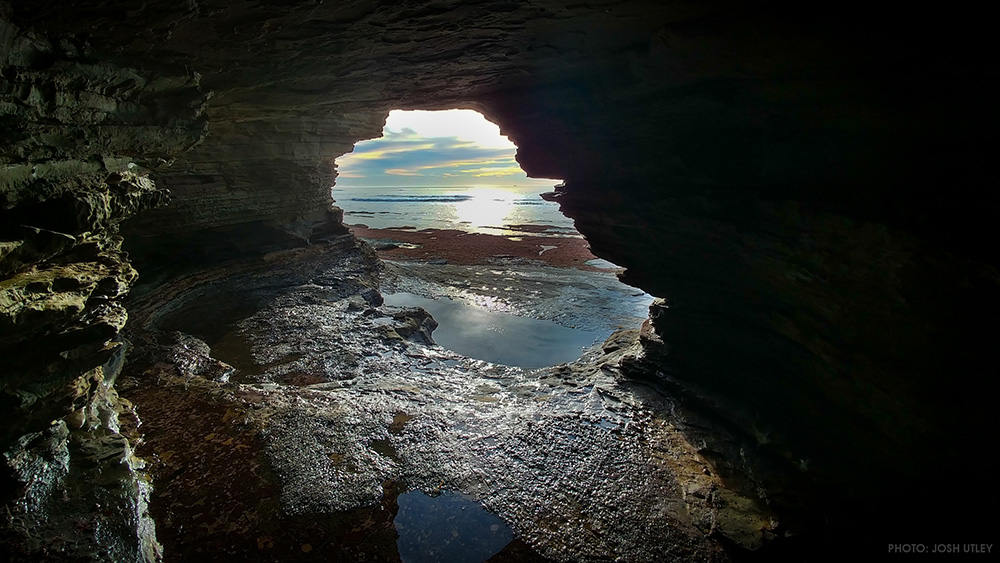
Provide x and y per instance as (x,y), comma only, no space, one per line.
(79,137)
(336,406)
(525,242)
(82,493)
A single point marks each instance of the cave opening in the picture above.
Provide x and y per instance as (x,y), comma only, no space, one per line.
(471,239)
(319,382)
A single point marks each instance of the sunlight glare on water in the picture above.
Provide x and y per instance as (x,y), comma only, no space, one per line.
(486,207)
(477,209)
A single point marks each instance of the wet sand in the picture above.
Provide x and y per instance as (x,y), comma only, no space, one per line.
(460,247)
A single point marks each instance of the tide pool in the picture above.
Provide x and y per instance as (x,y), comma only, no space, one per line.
(499,338)
(447,528)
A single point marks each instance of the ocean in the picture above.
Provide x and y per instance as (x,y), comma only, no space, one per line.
(509,211)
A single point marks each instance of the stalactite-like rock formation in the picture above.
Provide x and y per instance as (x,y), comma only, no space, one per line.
(807,191)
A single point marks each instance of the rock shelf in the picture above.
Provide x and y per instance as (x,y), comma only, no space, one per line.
(338,403)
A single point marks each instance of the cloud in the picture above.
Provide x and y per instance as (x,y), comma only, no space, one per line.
(465,124)
(401,172)
(387,152)
(403,153)
(495,172)
(444,154)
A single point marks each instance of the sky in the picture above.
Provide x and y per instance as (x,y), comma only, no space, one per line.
(435,148)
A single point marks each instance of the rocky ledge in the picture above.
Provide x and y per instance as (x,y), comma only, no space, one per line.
(289,427)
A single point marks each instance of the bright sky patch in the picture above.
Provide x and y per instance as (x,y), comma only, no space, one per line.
(435,148)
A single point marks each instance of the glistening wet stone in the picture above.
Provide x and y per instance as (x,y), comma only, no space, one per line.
(447,527)
(499,338)
(581,463)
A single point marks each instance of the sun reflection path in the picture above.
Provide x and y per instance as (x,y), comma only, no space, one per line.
(488,207)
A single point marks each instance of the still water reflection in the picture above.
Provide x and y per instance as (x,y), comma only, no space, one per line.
(498,337)
(448,527)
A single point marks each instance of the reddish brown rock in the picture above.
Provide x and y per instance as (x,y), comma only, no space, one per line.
(459,247)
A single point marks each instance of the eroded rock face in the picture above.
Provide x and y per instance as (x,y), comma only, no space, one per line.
(805,189)
(78,135)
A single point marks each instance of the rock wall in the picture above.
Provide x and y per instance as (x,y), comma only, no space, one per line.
(807,193)
(78,136)
(808,190)
(251,187)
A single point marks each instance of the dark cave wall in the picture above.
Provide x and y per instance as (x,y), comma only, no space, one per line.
(808,190)
(807,193)
(79,136)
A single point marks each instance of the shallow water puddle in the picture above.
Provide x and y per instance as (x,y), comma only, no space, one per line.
(448,527)
(498,337)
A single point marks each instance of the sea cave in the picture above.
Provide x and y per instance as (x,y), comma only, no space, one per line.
(767,251)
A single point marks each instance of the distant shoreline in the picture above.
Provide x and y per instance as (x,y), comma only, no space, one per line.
(460,247)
